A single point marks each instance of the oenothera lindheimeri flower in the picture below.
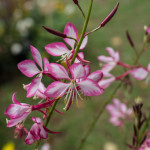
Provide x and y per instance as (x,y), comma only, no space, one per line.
(119,112)
(60,49)
(38,131)
(17,112)
(77,81)
(29,69)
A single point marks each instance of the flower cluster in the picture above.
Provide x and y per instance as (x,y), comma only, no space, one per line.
(138,72)
(119,112)
(70,82)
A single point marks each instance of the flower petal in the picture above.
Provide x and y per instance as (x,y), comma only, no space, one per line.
(56,49)
(107,68)
(15,110)
(139,73)
(28,68)
(77,71)
(43,133)
(90,88)
(56,89)
(14,100)
(14,122)
(105,59)
(96,76)
(84,43)
(87,70)
(106,82)
(35,131)
(45,62)
(58,71)
(37,120)
(110,51)
(36,56)
(71,31)
(29,139)
(33,86)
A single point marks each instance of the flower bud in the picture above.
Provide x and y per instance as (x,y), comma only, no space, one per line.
(57,33)
(76,2)
(109,17)
(129,39)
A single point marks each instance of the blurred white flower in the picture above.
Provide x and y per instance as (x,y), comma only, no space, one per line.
(110,146)
(45,146)
(24,25)
(17,14)
(70,9)
(16,48)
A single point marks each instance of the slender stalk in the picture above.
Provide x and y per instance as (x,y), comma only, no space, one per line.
(95,119)
(75,55)
(81,11)
(83,32)
(51,112)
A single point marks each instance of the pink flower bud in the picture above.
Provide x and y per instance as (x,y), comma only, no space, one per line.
(129,39)
(76,2)
(57,33)
(108,18)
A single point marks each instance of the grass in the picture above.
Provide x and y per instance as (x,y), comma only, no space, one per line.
(132,16)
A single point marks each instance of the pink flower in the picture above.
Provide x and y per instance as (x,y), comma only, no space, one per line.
(78,81)
(112,60)
(119,112)
(60,49)
(29,69)
(38,131)
(145,145)
(17,112)
(20,131)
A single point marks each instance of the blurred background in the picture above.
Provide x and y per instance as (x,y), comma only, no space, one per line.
(21,26)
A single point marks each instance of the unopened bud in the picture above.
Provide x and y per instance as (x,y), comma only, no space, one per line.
(57,33)
(76,2)
(109,17)
(129,39)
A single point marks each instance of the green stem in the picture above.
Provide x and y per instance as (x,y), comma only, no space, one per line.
(50,113)
(83,32)
(97,117)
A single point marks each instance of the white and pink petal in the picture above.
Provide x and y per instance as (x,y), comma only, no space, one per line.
(71,31)
(139,73)
(28,68)
(57,49)
(96,76)
(90,88)
(58,71)
(34,86)
(36,56)
(56,89)
(77,71)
